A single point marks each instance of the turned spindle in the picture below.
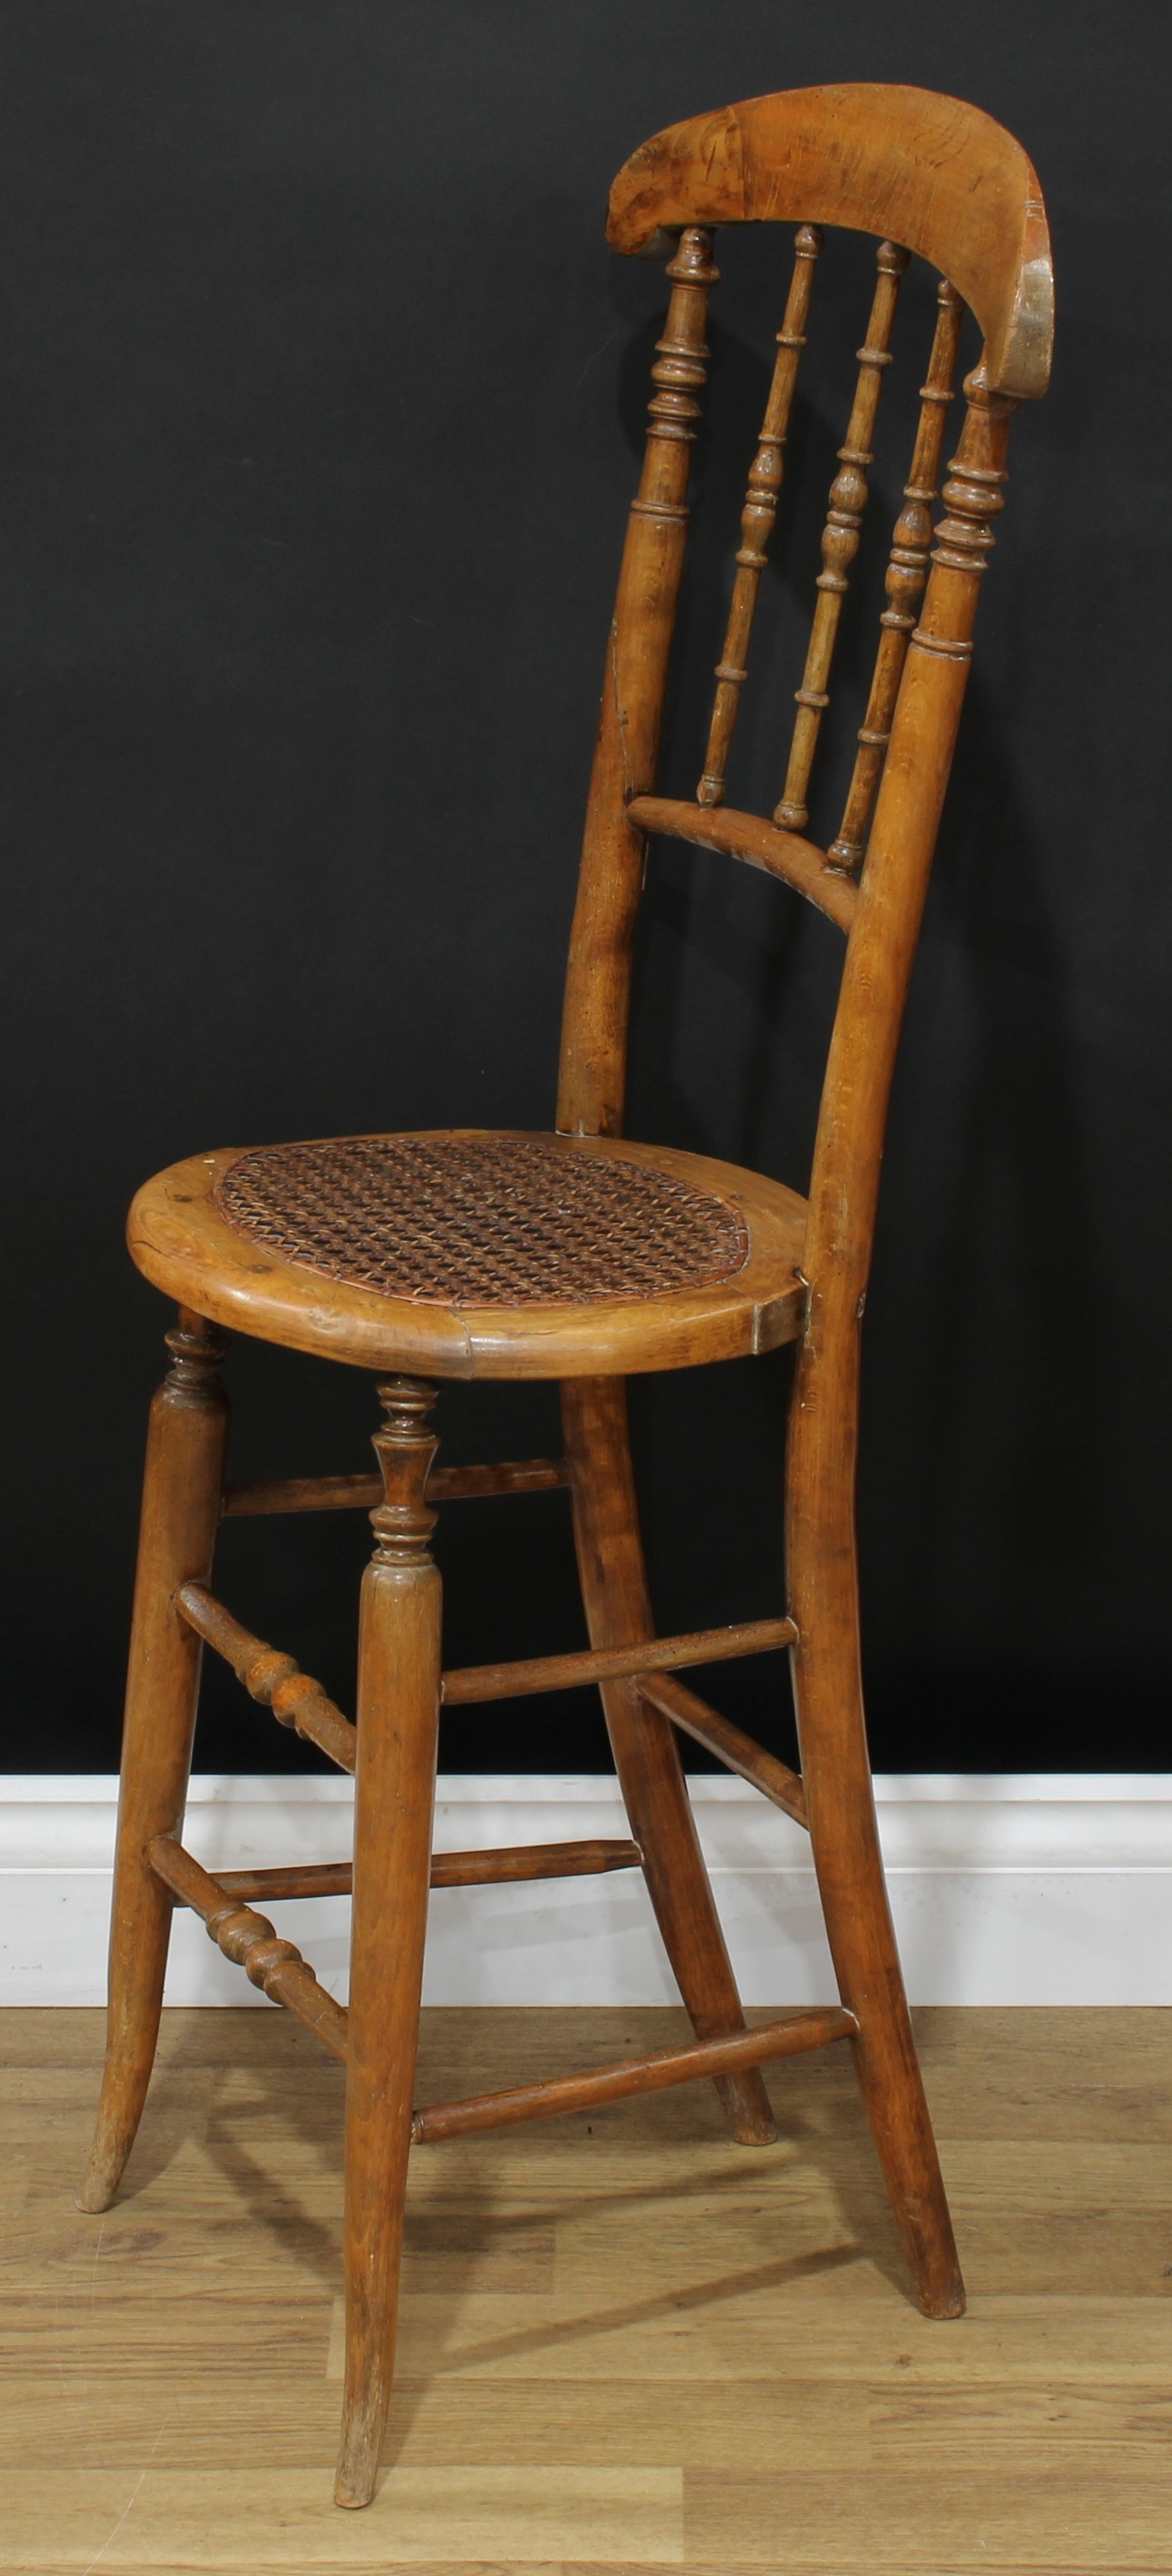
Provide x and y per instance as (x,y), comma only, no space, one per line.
(296,1700)
(253,1942)
(680,373)
(907,572)
(759,516)
(405,1445)
(840,539)
(196,1349)
(972,496)
(249,1940)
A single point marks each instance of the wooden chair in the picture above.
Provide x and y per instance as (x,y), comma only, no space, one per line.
(582,1257)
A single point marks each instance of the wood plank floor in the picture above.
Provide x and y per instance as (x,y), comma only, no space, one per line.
(627,2344)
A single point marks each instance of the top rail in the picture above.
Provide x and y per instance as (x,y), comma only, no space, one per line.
(906,165)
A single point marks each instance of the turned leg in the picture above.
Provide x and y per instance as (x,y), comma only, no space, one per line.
(840,1804)
(646,1752)
(180,1510)
(398,1728)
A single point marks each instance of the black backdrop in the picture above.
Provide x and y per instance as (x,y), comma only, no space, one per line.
(321,398)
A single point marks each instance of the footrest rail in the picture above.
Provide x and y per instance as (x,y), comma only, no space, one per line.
(783,2038)
(448,1869)
(615,1663)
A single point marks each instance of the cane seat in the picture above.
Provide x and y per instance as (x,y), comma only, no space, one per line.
(470,1253)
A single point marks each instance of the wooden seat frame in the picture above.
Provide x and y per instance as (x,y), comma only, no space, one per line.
(923,174)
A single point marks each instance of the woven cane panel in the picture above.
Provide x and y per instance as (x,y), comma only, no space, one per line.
(495,1220)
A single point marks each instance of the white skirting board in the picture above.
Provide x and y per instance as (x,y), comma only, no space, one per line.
(1006,1889)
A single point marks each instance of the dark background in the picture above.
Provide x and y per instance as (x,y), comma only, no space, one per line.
(320,412)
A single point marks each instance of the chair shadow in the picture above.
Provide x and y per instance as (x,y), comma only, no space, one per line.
(671,2302)
(840,2154)
(835,2149)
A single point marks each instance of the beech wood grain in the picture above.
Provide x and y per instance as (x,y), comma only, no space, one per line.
(905,164)
(922,175)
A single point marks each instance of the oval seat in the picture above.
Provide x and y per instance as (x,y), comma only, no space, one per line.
(478,1253)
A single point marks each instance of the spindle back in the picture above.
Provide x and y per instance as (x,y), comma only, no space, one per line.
(927,175)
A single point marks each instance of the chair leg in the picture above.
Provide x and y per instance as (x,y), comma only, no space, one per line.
(646,1752)
(398,1727)
(186,1443)
(840,1804)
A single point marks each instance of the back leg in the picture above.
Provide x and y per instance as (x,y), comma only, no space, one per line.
(840,1806)
(847,1858)
(182,1489)
(646,1753)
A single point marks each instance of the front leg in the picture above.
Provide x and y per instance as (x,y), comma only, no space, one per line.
(398,1734)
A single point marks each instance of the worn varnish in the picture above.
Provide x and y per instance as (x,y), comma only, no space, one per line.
(582,1256)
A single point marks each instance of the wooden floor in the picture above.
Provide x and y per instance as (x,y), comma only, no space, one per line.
(627,2344)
